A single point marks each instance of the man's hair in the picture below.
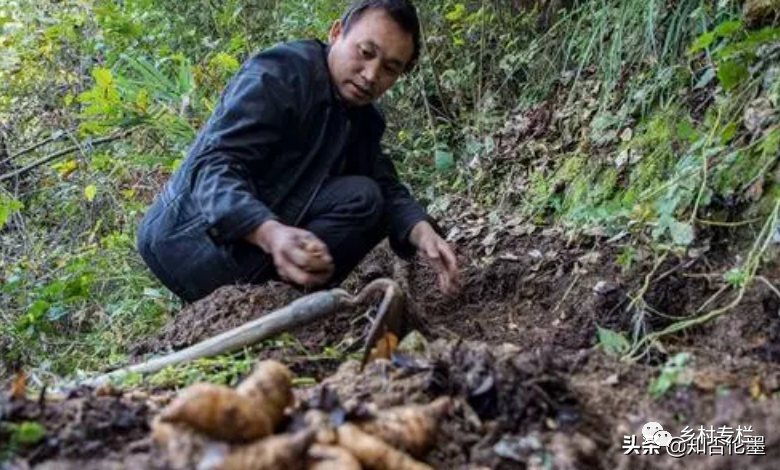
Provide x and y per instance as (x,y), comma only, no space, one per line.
(401,11)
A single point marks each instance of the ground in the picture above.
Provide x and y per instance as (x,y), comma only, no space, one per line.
(518,345)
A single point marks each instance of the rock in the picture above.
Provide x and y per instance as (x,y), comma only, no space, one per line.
(605,287)
(413,343)
(592,258)
(611,380)
(516,448)
(759,115)
(760,13)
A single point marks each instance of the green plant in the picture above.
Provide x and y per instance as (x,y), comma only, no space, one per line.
(613,343)
(26,433)
(626,258)
(673,373)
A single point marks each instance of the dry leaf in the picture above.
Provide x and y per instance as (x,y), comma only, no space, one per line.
(384,347)
(756,390)
(19,386)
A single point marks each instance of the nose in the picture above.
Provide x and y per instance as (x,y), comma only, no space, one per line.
(371,73)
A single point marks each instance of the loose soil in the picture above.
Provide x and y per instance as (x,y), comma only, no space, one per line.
(517,347)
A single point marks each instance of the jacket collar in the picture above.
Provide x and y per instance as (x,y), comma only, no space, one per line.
(334,95)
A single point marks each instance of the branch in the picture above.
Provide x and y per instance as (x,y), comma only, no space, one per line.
(61,153)
(54,137)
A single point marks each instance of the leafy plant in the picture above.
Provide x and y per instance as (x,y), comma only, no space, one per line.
(672,374)
(613,343)
(26,433)
(7,206)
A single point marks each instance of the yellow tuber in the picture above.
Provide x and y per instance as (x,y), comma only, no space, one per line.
(409,428)
(317,255)
(182,447)
(323,457)
(280,452)
(220,413)
(373,452)
(269,385)
(318,420)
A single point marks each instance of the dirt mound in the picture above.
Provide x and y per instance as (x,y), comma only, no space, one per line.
(84,425)
(225,308)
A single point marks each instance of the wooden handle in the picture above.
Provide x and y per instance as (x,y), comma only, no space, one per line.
(304,310)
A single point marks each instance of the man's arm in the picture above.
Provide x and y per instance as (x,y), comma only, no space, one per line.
(412,230)
(402,211)
(264,100)
(250,122)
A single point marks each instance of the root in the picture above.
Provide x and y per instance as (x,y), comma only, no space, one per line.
(752,264)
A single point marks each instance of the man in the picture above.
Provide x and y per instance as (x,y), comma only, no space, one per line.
(287,178)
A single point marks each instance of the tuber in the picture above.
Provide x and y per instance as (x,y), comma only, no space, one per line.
(323,457)
(183,448)
(318,257)
(373,452)
(280,452)
(411,428)
(269,385)
(321,423)
(220,413)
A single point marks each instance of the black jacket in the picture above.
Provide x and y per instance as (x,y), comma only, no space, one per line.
(278,132)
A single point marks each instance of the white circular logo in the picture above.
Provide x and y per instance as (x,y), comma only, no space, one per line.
(649,430)
(662,438)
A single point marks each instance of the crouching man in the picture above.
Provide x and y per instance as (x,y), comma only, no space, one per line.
(287,179)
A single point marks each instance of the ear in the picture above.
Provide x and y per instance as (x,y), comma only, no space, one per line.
(335,32)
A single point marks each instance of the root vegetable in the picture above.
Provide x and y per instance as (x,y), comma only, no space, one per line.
(409,428)
(183,448)
(220,413)
(320,422)
(373,452)
(322,457)
(317,261)
(280,452)
(270,387)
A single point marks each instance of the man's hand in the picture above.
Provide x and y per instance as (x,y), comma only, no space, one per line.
(299,256)
(439,254)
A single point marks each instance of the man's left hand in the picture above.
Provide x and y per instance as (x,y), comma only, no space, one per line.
(438,253)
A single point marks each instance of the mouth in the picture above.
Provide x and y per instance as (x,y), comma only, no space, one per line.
(360,92)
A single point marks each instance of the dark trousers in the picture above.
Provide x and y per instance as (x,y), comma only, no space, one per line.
(346,214)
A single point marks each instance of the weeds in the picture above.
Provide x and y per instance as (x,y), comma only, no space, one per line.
(672,374)
(746,274)
(18,435)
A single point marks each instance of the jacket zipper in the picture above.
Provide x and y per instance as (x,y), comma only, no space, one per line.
(325,174)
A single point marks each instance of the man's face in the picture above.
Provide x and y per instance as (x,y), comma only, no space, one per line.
(365,62)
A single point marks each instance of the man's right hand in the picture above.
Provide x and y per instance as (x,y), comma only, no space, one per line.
(298,254)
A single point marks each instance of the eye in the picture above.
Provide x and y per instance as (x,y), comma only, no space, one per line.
(365,52)
(392,70)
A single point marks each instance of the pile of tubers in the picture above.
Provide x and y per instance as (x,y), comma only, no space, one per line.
(213,427)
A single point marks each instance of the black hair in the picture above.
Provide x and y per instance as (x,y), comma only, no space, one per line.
(401,11)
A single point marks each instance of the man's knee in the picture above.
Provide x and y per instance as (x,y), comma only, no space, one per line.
(365,196)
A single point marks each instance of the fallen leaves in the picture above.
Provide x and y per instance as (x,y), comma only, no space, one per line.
(19,386)
(384,347)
